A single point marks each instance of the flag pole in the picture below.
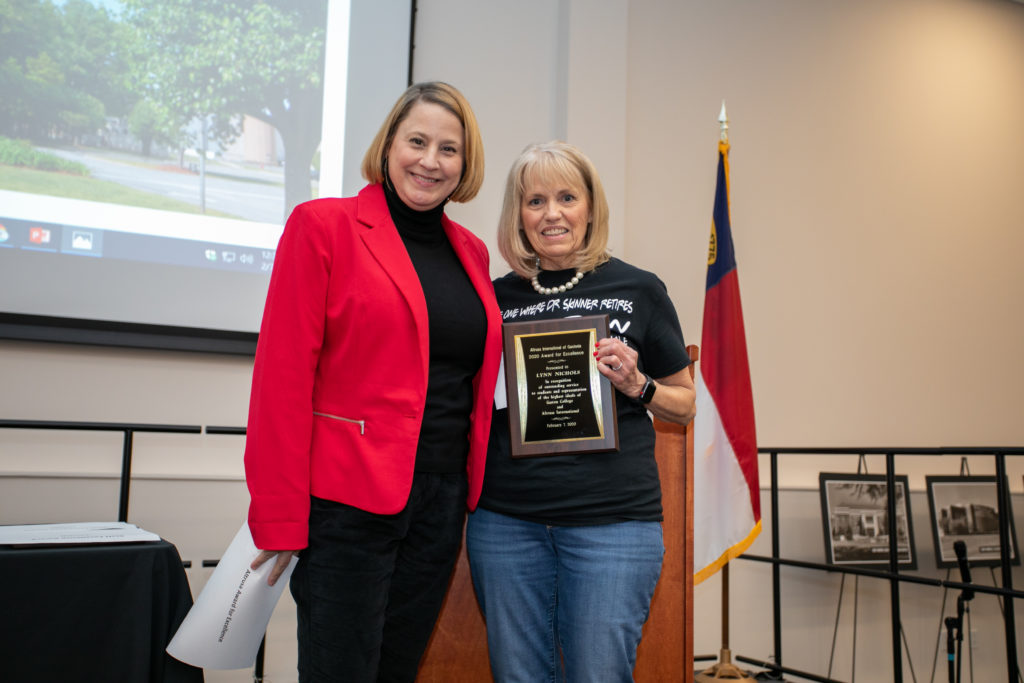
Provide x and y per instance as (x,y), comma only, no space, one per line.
(724,669)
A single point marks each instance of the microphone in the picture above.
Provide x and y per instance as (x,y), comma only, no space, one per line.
(960,548)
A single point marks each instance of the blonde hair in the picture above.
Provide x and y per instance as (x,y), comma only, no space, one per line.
(549,163)
(447,96)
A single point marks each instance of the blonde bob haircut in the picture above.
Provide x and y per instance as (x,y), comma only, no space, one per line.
(558,164)
(447,96)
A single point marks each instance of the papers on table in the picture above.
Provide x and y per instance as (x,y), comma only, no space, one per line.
(224,628)
(74,533)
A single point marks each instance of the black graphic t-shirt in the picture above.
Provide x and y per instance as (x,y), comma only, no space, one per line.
(590,488)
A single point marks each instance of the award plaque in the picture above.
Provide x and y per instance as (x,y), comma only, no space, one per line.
(558,401)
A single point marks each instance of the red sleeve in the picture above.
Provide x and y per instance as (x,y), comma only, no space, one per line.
(277,448)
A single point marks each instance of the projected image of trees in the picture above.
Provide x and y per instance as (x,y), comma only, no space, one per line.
(212,106)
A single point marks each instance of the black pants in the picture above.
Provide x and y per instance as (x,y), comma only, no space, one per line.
(369,587)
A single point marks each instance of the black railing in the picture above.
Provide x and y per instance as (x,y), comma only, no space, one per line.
(893,575)
(128,431)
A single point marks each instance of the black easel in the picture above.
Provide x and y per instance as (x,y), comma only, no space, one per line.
(862,468)
(954,625)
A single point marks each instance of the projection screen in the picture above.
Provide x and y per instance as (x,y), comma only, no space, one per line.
(171,244)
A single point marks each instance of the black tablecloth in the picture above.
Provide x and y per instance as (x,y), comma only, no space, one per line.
(92,613)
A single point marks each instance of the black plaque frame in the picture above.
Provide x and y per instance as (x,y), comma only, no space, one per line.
(560,342)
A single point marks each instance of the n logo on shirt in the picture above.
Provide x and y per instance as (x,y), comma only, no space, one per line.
(616,325)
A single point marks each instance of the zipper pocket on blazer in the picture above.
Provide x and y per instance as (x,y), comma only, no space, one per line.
(361,423)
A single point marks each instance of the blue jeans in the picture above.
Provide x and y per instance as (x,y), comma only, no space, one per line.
(563,603)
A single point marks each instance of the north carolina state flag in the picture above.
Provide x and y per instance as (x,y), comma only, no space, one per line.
(727,506)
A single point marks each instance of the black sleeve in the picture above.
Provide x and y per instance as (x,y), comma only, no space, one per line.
(663,351)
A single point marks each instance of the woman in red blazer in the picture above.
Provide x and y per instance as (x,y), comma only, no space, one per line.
(371,395)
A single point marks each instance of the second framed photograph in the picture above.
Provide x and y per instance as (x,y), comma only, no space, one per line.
(967,509)
(855,520)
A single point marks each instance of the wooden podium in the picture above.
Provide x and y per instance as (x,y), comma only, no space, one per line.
(458,648)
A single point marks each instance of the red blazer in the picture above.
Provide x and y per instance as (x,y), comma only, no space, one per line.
(340,378)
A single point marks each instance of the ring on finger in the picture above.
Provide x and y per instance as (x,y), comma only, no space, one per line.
(617,368)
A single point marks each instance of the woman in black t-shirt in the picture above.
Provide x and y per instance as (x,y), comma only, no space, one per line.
(566,549)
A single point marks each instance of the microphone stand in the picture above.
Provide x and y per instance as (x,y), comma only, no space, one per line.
(951,658)
(955,625)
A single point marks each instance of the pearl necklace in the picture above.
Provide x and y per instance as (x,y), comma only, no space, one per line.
(561,288)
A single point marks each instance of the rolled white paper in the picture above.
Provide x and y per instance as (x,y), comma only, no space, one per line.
(225,626)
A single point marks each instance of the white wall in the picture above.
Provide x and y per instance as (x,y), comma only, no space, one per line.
(877,154)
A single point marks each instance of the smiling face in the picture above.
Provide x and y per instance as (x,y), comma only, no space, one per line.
(556,215)
(426,156)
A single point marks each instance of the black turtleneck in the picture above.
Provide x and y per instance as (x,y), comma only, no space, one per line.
(458,328)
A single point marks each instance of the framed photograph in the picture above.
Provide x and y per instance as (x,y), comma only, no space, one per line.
(967,509)
(558,400)
(855,520)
